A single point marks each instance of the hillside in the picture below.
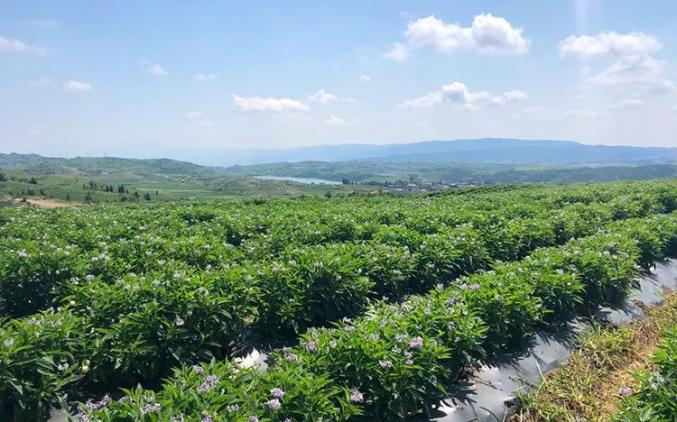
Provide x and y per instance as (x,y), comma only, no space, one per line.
(99,179)
(34,163)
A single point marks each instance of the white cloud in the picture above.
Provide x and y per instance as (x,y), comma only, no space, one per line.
(364,78)
(509,96)
(632,62)
(206,77)
(496,35)
(17,46)
(610,43)
(627,103)
(157,70)
(77,86)
(398,52)
(324,97)
(458,93)
(487,34)
(637,70)
(262,104)
(45,23)
(582,113)
(674,108)
(335,121)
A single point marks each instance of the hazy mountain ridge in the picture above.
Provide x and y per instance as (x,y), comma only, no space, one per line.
(488,150)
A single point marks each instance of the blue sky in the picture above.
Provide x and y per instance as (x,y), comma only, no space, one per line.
(150,78)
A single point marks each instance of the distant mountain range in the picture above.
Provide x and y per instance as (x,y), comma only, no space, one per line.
(467,161)
(478,151)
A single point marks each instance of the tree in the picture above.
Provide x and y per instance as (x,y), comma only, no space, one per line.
(33,181)
(146,196)
(121,189)
(327,195)
(88,197)
(2,177)
(136,195)
(68,197)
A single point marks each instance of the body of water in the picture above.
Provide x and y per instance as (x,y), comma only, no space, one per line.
(305,180)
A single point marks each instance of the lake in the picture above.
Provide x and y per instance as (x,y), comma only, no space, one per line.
(304,180)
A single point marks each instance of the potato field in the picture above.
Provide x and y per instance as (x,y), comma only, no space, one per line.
(370,308)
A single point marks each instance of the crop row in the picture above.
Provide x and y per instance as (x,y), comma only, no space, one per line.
(400,359)
(41,251)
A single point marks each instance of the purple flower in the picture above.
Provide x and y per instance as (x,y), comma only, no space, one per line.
(125,399)
(99,404)
(332,344)
(151,408)
(233,407)
(253,419)
(104,400)
(207,418)
(198,369)
(386,364)
(356,397)
(277,393)
(208,383)
(291,357)
(179,322)
(625,391)
(452,301)
(311,346)
(416,343)
(89,277)
(274,404)
(474,287)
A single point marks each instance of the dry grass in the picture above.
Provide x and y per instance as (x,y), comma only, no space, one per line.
(587,387)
